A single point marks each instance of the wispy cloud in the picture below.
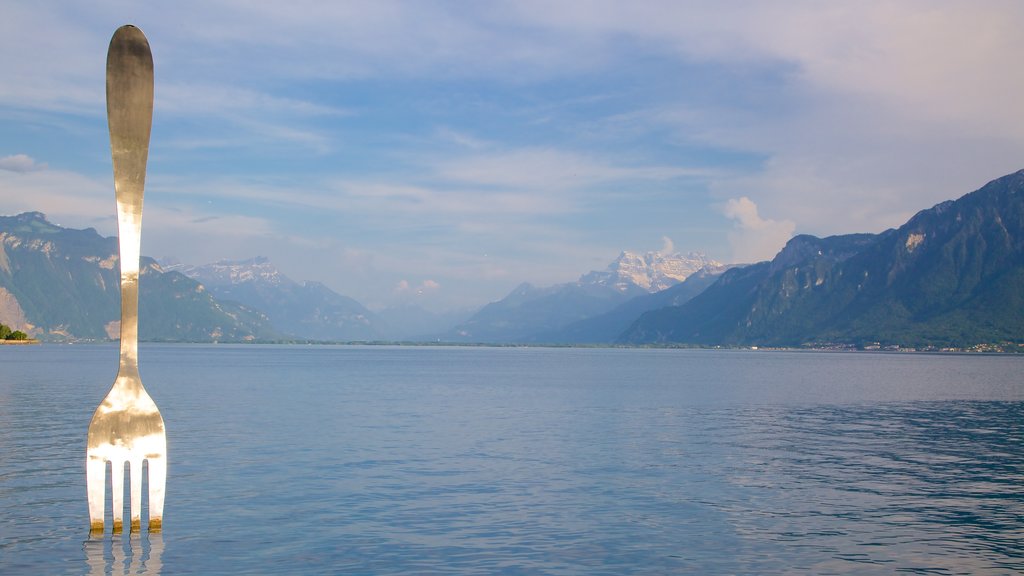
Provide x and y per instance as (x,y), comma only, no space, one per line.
(65,197)
(208,99)
(548,169)
(852,105)
(251,118)
(389,200)
(200,235)
(366,143)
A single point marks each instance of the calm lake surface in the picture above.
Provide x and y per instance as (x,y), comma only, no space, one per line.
(410,460)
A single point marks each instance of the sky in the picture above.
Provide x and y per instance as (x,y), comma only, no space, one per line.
(442,153)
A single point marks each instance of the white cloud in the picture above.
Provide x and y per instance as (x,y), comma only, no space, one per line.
(927,58)
(754,238)
(864,112)
(20,163)
(667,246)
(427,286)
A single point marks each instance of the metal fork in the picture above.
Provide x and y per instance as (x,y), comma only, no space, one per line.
(127,427)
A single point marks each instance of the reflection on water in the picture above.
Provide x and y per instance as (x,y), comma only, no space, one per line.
(124,554)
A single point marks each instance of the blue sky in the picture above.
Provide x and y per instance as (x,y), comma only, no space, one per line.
(444,152)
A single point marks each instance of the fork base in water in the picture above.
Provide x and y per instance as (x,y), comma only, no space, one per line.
(96,476)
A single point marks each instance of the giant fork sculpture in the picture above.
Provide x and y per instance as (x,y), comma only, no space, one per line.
(127,427)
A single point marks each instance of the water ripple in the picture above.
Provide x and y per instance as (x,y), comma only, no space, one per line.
(479,461)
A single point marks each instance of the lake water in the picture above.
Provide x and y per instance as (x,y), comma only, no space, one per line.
(424,460)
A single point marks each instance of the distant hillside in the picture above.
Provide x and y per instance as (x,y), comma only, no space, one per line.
(60,283)
(953,275)
(301,309)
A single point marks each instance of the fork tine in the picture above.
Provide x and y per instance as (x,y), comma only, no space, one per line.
(117,494)
(95,472)
(135,477)
(157,482)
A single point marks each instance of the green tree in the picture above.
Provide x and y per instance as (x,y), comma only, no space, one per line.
(17,335)
(5,331)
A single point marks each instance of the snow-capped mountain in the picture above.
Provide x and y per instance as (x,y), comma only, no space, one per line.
(528,310)
(652,271)
(229,272)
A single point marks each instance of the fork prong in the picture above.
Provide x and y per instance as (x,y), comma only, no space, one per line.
(95,472)
(157,482)
(135,477)
(117,494)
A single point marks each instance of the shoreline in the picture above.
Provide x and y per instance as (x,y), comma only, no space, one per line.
(1005,350)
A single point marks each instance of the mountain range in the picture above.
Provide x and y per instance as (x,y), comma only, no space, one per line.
(64,284)
(310,310)
(307,310)
(952,276)
(544,315)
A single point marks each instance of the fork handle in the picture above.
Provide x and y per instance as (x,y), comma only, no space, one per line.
(130,119)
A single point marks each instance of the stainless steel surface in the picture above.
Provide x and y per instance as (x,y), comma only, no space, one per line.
(127,427)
